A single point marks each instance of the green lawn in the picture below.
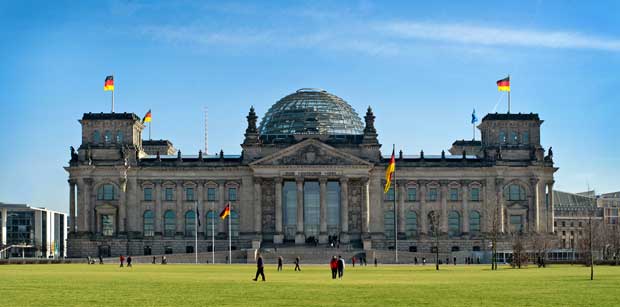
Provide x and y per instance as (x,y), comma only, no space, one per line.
(221,285)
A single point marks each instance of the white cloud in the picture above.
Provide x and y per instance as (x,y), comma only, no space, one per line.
(494,36)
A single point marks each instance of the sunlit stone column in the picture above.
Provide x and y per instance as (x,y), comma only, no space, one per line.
(279,236)
(344,210)
(300,238)
(323,211)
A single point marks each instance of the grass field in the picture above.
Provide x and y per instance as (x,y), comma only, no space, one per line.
(223,285)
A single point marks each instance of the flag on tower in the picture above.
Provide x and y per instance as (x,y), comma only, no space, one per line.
(503,85)
(389,172)
(225,212)
(109,83)
(474,118)
(147,117)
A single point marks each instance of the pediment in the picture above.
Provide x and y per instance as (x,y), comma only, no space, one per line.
(310,152)
(517,206)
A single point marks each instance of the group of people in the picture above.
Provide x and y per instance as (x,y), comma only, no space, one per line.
(122,260)
(91,260)
(337,267)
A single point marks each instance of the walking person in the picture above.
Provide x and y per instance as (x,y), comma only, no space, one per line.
(259,268)
(122,259)
(100,259)
(454,262)
(154,260)
(375,261)
(353,260)
(128,261)
(297,268)
(280,260)
(423,260)
(340,267)
(333,265)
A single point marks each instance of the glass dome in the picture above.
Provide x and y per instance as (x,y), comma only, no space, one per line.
(311,111)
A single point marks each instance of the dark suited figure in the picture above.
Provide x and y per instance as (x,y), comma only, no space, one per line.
(259,268)
(297,268)
(280,263)
(340,267)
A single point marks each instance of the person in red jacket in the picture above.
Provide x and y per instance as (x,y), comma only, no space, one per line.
(122,259)
(333,264)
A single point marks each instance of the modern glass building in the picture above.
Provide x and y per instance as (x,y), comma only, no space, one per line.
(27,231)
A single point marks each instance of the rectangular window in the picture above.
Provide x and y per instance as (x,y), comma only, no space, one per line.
(454,194)
(169,194)
(474,194)
(232,194)
(148,194)
(107,225)
(517,222)
(189,194)
(390,194)
(412,194)
(211,195)
(432,194)
(525,137)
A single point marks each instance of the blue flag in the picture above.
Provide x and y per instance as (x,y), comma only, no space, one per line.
(474,119)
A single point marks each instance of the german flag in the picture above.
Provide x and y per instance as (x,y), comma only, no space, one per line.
(109,83)
(504,85)
(147,117)
(389,173)
(225,212)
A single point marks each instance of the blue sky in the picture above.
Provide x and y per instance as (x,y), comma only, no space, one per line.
(421,66)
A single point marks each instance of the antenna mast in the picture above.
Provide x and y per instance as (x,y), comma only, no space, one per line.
(206,131)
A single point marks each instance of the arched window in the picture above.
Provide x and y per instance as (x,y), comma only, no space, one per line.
(107,137)
(514,192)
(107,192)
(411,225)
(212,224)
(454,223)
(96,137)
(234,226)
(388,223)
(190,223)
(169,223)
(474,222)
(502,137)
(119,137)
(149,223)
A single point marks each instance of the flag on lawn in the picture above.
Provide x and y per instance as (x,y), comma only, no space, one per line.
(109,83)
(147,117)
(504,85)
(389,172)
(474,118)
(225,212)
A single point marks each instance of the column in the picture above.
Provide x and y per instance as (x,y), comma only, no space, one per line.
(300,238)
(533,206)
(122,208)
(323,211)
(423,215)
(365,206)
(499,183)
(158,210)
(38,233)
(550,227)
(344,210)
(444,207)
(88,207)
(71,205)
(180,214)
(4,221)
(465,198)
(258,216)
(278,238)
(401,185)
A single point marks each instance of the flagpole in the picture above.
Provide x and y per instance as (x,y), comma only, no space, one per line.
(473,130)
(395,214)
(212,233)
(508,95)
(112,101)
(229,233)
(150,123)
(196,228)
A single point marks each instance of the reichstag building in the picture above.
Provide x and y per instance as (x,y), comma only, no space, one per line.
(311,171)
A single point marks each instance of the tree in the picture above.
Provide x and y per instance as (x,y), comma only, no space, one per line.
(434,219)
(541,244)
(519,257)
(494,232)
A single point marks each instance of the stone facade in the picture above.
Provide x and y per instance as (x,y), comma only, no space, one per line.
(288,189)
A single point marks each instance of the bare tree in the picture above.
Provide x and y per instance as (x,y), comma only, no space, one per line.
(494,232)
(435,220)
(541,244)
(519,257)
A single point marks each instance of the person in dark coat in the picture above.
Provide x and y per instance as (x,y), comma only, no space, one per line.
(280,260)
(259,268)
(128,261)
(333,265)
(340,267)
(297,268)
